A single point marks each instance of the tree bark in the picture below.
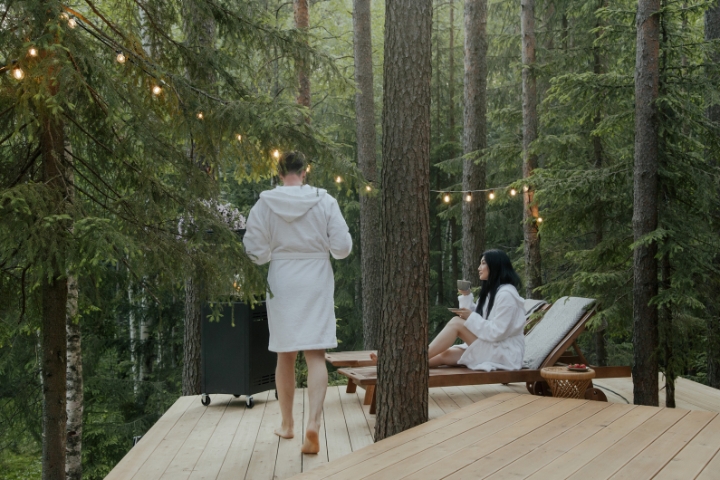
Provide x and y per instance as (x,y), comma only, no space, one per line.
(645,212)
(370,225)
(54,304)
(191,341)
(533,272)
(402,392)
(474,137)
(302,22)
(712,33)
(74,396)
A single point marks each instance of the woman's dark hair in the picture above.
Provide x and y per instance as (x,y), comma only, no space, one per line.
(291,162)
(501,272)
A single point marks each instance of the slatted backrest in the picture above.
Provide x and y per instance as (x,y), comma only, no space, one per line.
(562,323)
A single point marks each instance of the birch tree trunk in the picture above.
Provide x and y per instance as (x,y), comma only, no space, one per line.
(533,272)
(712,33)
(474,137)
(645,211)
(370,225)
(402,391)
(54,302)
(302,22)
(74,395)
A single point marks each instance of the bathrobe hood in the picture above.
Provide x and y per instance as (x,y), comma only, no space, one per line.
(291,203)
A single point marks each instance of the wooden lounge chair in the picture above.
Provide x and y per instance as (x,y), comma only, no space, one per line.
(546,345)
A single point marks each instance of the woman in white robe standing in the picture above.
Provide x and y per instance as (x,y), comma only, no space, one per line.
(492,329)
(296,228)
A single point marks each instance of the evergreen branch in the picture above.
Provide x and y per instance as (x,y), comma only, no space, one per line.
(7,110)
(24,297)
(7,10)
(139,279)
(30,163)
(107,22)
(94,173)
(13,133)
(92,91)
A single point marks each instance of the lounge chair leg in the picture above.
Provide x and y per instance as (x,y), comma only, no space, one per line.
(351,387)
(369,394)
(373,405)
(596,394)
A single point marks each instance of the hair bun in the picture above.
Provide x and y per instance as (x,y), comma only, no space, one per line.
(291,162)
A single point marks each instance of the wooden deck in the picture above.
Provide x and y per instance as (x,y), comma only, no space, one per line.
(227,440)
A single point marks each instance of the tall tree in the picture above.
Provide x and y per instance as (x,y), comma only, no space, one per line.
(370,225)
(199,27)
(74,395)
(302,22)
(474,137)
(533,273)
(402,391)
(645,209)
(712,34)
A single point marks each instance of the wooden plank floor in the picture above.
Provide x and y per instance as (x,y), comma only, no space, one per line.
(227,440)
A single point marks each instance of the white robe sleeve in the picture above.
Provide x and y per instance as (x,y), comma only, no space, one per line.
(504,315)
(338,232)
(257,237)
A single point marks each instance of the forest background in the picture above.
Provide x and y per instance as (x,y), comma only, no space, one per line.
(149,168)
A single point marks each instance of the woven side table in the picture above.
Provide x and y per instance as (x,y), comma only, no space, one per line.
(566,383)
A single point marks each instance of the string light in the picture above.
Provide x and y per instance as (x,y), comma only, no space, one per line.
(308,169)
(525,188)
(338,179)
(446,198)
(156,90)
(239,137)
(72,23)
(120,57)
(368,188)
(513,192)
(276,153)
(32,51)
(468,197)
(18,73)
(200,116)
(64,16)
(539,220)
(492,195)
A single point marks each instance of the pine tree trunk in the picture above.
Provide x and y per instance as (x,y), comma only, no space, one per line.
(533,272)
(302,22)
(74,396)
(712,33)
(451,75)
(645,211)
(54,305)
(402,391)
(370,225)
(666,327)
(191,342)
(474,137)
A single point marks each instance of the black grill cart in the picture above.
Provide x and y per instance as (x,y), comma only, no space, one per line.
(236,359)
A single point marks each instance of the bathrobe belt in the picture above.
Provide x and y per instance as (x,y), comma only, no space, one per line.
(298,256)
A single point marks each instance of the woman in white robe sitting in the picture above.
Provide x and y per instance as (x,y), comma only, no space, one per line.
(492,329)
(296,228)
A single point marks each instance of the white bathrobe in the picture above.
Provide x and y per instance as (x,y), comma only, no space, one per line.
(296,229)
(500,343)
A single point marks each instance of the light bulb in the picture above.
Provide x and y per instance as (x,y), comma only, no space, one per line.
(64,16)
(446,198)
(525,188)
(368,187)
(468,197)
(33,52)
(308,169)
(276,153)
(513,192)
(338,179)
(156,90)
(492,195)
(200,116)
(239,138)
(539,220)
(120,58)
(18,73)
(72,23)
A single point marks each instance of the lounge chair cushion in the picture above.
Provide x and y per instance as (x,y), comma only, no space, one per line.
(557,322)
(531,305)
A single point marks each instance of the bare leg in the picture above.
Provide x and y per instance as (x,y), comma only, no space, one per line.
(285,385)
(317,387)
(454,329)
(451,356)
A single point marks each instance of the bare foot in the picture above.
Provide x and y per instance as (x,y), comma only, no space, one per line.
(284,432)
(373,357)
(312,442)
